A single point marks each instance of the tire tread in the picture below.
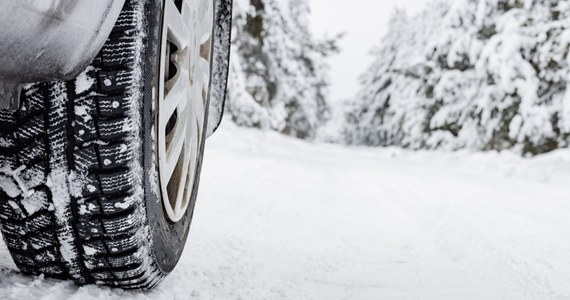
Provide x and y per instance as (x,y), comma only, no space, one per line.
(108,218)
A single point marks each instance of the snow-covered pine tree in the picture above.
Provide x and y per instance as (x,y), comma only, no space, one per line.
(278,77)
(478,74)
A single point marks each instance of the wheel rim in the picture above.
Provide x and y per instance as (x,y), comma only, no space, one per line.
(185,68)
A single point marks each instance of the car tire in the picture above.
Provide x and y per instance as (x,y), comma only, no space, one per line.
(82,191)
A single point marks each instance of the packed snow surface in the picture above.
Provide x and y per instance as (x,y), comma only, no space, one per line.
(279,218)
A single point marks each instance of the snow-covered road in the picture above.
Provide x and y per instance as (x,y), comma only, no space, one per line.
(283,219)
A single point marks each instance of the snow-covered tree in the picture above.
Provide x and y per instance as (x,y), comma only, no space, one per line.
(278,76)
(479,74)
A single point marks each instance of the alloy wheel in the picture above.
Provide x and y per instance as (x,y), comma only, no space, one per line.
(185,70)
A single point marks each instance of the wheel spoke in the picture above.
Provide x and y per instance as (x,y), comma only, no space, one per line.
(186,10)
(194,150)
(206,21)
(178,206)
(176,142)
(200,84)
(202,76)
(178,30)
(176,96)
(198,112)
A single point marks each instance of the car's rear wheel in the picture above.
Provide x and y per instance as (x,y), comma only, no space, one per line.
(99,175)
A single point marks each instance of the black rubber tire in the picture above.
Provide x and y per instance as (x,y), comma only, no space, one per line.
(79,191)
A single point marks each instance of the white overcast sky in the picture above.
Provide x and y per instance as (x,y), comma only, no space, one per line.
(364,22)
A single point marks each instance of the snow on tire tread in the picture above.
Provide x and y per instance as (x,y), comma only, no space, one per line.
(71,197)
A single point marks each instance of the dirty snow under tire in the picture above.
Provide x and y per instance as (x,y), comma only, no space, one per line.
(79,191)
